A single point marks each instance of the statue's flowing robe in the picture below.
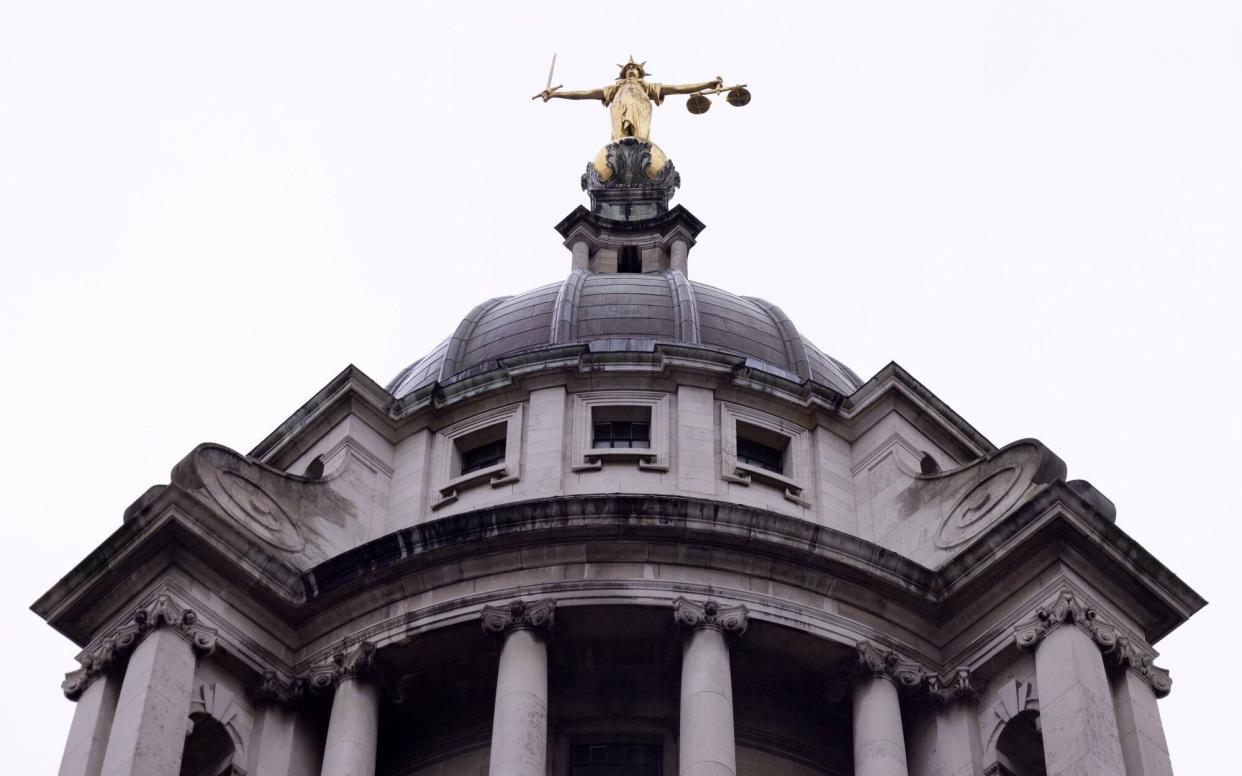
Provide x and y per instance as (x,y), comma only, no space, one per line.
(629,102)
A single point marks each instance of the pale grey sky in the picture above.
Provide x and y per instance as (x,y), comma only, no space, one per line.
(207,210)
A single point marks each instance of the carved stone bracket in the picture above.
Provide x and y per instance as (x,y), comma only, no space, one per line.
(711,614)
(1119,650)
(355,662)
(519,615)
(114,648)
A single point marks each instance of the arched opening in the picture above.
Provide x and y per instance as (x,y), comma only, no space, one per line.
(1020,748)
(208,749)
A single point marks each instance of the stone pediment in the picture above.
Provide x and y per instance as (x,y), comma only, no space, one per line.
(302,520)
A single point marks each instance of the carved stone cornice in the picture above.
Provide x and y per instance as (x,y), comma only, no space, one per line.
(114,648)
(354,662)
(1119,650)
(711,614)
(519,615)
(275,689)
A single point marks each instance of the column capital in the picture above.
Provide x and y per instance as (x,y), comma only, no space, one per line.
(519,615)
(880,663)
(1119,650)
(272,688)
(104,653)
(356,661)
(954,687)
(711,614)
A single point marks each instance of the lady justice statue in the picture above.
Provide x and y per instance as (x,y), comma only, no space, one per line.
(629,99)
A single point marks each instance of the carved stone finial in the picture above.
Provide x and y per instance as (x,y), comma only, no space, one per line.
(357,661)
(518,615)
(711,614)
(115,646)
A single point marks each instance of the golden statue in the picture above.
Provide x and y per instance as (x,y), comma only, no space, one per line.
(629,99)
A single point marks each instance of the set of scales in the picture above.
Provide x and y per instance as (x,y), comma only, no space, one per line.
(629,100)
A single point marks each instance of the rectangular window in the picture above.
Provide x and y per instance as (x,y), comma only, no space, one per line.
(621,434)
(615,759)
(761,447)
(481,449)
(630,260)
(483,456)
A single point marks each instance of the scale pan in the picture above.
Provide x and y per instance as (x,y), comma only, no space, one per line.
(738,96)
(698,104)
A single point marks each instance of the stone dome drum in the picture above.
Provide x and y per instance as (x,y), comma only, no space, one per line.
(625,524)
(626,312)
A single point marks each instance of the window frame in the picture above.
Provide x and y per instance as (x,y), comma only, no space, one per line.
(450,481)
(587,457)
(794,480)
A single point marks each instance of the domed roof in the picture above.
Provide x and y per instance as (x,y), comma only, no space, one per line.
(655,306)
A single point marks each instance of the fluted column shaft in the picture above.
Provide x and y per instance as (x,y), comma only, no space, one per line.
(353,729)
(520,719)
(879,742)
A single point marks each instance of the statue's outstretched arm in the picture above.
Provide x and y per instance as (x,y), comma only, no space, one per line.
(690,88)
(580,94)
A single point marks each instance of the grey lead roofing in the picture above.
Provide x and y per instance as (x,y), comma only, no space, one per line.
(655,306)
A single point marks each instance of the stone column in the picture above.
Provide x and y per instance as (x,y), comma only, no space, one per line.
(706,745)
(281,742)
(520,720)
(679,256)
(879,742)
(152,710)
(1143,746)
(957,743)
(581,255)
(1075,703)
(353,727)
(92,722)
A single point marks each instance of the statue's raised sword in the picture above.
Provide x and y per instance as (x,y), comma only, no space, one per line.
(549,87)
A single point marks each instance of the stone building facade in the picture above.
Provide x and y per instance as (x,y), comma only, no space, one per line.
(626,524)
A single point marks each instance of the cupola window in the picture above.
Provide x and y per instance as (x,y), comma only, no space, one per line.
(761,447)
(622,434)
(483,456)
(630,260)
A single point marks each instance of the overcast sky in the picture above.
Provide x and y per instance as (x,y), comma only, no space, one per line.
(207,210)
